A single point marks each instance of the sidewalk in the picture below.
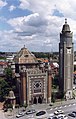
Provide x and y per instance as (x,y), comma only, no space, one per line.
(2,116)
(64,102)
(11,114)
(1,105)
(47,105)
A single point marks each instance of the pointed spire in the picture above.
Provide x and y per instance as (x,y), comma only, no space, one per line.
(65,20)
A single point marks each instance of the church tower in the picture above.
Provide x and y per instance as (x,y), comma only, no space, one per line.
(66,54)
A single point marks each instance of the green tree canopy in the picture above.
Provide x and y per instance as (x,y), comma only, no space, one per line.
(56,80)
(4,89)
(8,72)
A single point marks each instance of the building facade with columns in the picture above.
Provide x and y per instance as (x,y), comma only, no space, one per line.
(33,81)
(66,55)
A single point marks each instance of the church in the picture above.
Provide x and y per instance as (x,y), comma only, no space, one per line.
(33,79)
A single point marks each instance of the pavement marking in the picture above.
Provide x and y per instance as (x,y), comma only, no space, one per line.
(65,106)
(74,104)
(56,107)
(69,105)
(51,109)
(60,107)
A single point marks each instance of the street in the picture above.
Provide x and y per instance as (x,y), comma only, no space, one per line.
(2,116)
(67,108)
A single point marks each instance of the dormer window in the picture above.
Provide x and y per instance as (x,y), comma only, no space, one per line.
(26,56)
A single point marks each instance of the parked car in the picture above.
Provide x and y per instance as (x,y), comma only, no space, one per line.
(31,111)
(72,114)
(42,114)
(22,113)
(54,117)
(58,112)
(51,116)
(19,115)
(62,116)
(5,109)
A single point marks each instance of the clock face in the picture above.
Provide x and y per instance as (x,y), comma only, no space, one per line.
(68,51)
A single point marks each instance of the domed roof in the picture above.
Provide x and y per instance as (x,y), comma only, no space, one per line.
(11,95)
(25,56)
(66,27)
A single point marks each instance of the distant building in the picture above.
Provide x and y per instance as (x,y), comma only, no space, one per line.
(66,54)
(10,58)
(33,81)
(3,65)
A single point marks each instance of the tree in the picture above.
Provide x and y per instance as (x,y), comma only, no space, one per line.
(53,97)
(4,89)
(56,80)
(10,80)
(8,75)
(8,72)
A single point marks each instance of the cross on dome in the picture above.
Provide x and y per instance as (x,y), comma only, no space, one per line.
(65,20)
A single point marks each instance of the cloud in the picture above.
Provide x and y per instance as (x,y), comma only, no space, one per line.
(66,8)
(10,41)
(30,22)
(36,30)
(11,8)
(37,6)
(24,4)
(40,31)
(2,3)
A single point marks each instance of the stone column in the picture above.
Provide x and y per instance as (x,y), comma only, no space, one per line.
(49,86)
(23,86)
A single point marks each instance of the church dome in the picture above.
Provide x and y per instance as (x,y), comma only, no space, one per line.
(25,56)
(66,27)
(11,95)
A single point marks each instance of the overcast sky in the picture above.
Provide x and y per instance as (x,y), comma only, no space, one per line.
(35,23)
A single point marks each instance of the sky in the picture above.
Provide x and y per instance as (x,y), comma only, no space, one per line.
(35,23)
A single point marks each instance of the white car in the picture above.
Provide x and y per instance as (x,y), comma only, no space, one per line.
(22,113)
(58,112)
(19,115)
(51,116)
(62,116)
(31,111)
